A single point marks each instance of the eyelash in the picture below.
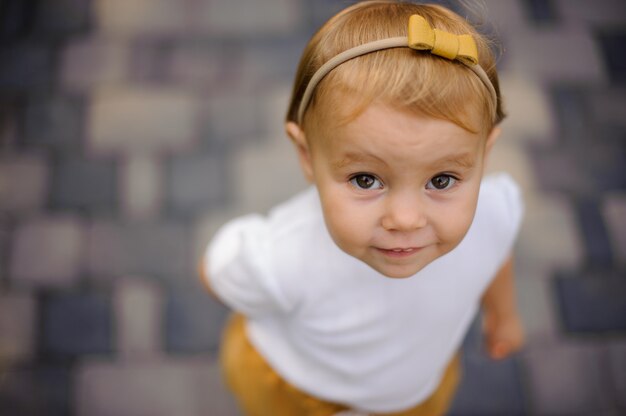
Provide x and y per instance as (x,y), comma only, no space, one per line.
(453,179)
(354,178)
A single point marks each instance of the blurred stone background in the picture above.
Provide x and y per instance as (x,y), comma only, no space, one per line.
(131,129)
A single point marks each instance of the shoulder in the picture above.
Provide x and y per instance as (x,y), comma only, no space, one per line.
(254,232)
(498,215)
(501,196)
(241,259)
(295,215)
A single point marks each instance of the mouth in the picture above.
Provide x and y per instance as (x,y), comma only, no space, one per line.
(399,252)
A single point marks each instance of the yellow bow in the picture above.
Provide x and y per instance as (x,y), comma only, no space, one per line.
(447,45)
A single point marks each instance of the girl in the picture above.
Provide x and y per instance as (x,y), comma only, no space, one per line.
(357,293)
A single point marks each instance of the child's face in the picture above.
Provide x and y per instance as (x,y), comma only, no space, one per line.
(397,190)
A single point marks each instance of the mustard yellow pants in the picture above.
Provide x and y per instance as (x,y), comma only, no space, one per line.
(262,392)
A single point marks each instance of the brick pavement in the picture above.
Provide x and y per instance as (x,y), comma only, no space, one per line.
(130,130)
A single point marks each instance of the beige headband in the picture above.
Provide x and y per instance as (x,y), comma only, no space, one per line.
(420,37)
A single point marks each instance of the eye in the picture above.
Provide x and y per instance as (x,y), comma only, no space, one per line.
(365,181)
(441,182)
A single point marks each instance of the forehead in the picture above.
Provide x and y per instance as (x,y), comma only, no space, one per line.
(341,105)
(382,134)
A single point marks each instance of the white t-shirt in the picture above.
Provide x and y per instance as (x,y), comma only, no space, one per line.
(339,330)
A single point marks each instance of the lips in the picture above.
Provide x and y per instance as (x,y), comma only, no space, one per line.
(399,251)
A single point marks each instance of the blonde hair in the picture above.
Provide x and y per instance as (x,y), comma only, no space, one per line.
(401,77)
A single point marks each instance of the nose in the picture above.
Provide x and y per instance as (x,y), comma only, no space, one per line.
(404,212)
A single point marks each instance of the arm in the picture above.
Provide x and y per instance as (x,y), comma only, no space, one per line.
(502,325)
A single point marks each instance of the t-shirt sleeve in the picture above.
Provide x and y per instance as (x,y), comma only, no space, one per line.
(237,266)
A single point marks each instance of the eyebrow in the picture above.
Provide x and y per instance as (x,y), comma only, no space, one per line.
(462,160)
(353,157)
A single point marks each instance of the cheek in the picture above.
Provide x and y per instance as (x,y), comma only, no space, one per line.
(461,225)
(456,219)
(346,223)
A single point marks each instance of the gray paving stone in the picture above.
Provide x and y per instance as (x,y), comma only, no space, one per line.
(9,121)
(47,251)
(17,327)
(185,387)
(272,62)
(23,183)
(150,60)
(90,63)
(215,396)
(231,117)
(592,303)
(5,242)
(606,163)
(489,388)
(206,66)
(138,312)
(529,116)
(53,122)
(247,17)
(152,249)
(581,170)
(25,67)
(123,19)
(75,324)
(276,159)
(15,16)
(197,182)
(276,100)
(608,106)
(535,303)
(617,364)
(611,42)
(600,12)
(36,390)
(507,16)
(567,379)
(318,12)
(508,156)
(194,321)
(556,170)
(549,237)
(108,388)
(571,109)
(128,120)
(553,54)
(599,253)
(141,187)
(614,211)
(61,18)
(540,12)
(83,184)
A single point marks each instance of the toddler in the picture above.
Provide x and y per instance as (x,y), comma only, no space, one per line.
(355,295)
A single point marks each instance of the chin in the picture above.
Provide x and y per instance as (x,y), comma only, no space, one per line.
(397,272)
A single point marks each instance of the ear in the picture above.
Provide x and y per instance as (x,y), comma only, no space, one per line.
(492,138)
(297,136)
